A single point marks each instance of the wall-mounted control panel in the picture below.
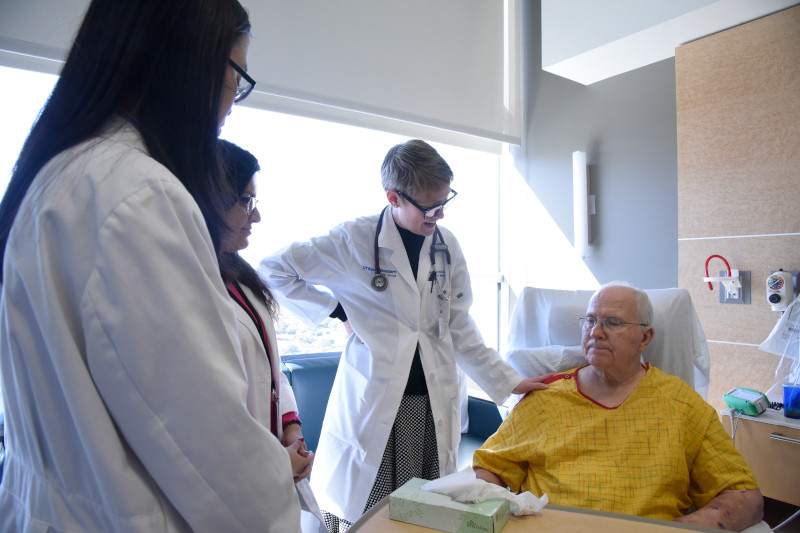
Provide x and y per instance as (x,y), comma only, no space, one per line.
(781,289)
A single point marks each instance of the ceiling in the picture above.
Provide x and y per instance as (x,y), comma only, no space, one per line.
(588,41)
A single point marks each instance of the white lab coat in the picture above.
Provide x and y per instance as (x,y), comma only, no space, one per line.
(123,380)
(257,369)
(259,391)
(372,376)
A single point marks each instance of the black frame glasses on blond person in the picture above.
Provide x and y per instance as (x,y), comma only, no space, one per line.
(428,212)
(242,91)
(248,203)
(609,323)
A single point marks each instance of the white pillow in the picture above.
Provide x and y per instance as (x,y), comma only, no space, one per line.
(531,362)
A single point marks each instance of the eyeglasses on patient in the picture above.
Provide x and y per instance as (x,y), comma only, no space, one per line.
(248,203)
(246,83)
(429,212)
(609,323)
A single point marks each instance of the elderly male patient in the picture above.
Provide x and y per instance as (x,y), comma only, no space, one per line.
(619,436)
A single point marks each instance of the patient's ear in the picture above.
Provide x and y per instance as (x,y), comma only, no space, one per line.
(647,335)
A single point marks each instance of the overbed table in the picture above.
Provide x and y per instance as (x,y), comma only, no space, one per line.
(552,518)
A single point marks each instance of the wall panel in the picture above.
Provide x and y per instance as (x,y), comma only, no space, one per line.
(730,361)
(738,117)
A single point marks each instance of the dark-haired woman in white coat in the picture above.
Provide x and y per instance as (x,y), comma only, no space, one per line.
(122,372)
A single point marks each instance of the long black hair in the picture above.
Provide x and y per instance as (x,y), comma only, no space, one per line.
(240,166)
(164,63)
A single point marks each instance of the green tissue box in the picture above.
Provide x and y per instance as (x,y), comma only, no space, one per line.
(413,505)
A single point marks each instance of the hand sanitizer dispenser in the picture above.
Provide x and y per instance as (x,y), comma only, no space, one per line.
(780,290)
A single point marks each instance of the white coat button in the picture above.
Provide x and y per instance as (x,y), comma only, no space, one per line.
(440,423)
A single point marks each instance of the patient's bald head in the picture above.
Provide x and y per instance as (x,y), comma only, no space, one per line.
(644,308)
(617,329)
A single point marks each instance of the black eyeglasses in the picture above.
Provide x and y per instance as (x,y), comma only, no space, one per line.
(609,323)
(248,203)
(246,83)
(429,212)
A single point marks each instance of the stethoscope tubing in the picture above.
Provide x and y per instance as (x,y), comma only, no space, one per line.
(380,282)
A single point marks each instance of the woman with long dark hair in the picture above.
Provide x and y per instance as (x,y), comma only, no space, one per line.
(270,398)
(122,373)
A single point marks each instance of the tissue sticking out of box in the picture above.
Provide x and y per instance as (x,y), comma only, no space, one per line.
(464,487)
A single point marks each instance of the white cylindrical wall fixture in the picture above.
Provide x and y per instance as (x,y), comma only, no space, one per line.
(580,199)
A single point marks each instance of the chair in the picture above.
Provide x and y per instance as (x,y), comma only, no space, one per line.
(2,442)
(311,377)
(544,335)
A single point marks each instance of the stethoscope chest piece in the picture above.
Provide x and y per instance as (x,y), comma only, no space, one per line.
(379,282)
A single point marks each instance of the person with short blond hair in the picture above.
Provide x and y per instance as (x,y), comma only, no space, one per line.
(400,284)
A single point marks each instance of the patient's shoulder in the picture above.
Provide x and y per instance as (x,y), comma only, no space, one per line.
(554,379)
(668,384)
(570,374)
(673,391)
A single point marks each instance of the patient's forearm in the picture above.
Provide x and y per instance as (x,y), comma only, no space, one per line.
(491,477)
(732,509)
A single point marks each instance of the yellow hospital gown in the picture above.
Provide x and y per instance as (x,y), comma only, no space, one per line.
(658,454)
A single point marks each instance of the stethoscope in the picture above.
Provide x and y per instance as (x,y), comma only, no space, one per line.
(379,281)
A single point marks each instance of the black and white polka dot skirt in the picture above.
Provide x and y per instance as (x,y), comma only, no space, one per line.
(410,452)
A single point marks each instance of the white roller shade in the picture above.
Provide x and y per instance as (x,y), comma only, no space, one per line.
(450,65)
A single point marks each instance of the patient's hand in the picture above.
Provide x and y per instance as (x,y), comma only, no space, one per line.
(731,509)
(531,384)
(491,477)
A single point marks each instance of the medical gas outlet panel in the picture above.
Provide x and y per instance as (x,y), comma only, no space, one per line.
(781,289)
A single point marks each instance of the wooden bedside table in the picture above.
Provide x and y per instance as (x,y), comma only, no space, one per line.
(770,443)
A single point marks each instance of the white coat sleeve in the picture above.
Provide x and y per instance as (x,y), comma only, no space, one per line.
(483,364)
(293,272)
(288,401)
(163,351)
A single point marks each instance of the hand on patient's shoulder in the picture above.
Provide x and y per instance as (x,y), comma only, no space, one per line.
(531,384)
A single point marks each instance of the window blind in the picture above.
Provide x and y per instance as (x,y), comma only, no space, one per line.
(436,68)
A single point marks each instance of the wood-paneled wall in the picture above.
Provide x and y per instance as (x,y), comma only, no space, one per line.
(738,110)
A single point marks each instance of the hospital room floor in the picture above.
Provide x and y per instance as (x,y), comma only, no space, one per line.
(776,512)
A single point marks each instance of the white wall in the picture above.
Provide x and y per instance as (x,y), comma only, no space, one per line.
(627,126)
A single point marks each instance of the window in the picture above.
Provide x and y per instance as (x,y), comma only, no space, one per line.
(315,174)
(23,95)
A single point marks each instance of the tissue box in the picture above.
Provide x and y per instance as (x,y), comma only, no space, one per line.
(411,504)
